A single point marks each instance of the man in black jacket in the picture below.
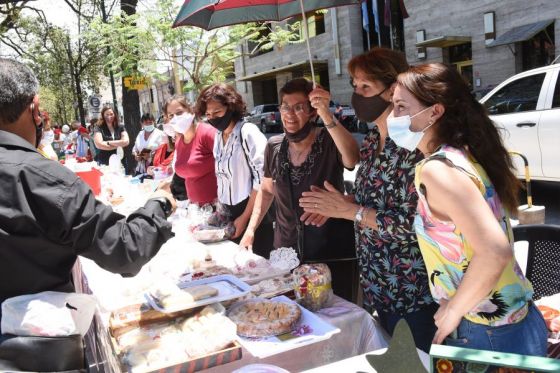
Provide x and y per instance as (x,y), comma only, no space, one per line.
(49,216)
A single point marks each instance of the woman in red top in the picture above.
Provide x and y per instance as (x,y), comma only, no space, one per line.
(194,144)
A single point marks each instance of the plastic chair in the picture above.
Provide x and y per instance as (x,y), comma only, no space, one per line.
(543,257)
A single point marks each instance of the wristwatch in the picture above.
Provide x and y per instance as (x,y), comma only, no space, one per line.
(359,215)
(165,205)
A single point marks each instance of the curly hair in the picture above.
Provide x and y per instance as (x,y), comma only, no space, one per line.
(297,85)
(379,64)
(464,124)
(226,95)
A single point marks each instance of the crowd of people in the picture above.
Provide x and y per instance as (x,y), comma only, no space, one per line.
(425,231)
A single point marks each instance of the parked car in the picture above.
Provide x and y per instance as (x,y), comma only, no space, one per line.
(345,115)
(527,106)
(266,117)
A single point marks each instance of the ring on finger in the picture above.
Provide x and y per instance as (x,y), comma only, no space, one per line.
(316,206)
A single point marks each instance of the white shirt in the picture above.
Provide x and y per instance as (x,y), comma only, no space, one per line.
(239,162)
(157,137)
(48,137)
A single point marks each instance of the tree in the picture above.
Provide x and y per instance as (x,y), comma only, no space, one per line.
(130,99)
(204,56)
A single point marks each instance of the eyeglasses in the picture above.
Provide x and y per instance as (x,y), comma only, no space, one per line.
(297,108)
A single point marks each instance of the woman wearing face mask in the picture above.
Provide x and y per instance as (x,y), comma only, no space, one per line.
(393,274)
(194,144)
(303,156)
(466,193)
(238,149)
(147,141)
(164,154)
(109,135)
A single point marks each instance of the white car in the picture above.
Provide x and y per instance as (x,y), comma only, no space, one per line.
(527,105)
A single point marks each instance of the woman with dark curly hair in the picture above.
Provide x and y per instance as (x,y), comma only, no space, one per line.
(466,191)
(239,153)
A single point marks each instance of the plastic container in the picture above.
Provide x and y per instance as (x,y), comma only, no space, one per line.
(93,179)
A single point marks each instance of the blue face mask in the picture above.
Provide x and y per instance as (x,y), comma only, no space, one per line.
(149,128)
(400,133)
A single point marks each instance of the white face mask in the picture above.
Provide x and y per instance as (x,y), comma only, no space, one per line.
(149,128)
(400,133)
(181,123)
(169,131)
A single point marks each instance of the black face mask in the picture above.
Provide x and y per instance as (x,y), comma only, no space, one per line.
(221,123)
(301,134)
(369,109)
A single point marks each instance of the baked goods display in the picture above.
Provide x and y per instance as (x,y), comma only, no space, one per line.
(264,318)
(312,285)
(172,297)
(272,287)
(210,271)
(165,344)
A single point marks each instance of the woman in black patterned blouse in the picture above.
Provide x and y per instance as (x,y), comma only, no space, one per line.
(393,274)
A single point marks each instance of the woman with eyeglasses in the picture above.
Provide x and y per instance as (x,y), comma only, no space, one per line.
(382,206)
(194,144)
(238,150)
(303,156)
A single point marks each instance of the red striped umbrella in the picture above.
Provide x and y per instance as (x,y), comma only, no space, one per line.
(211,14)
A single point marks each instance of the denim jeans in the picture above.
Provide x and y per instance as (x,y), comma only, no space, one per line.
(421,324)
(527,337)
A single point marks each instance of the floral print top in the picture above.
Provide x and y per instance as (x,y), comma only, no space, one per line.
(447,253)
(393,275)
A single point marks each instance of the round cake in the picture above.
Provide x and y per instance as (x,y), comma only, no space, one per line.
(264,318)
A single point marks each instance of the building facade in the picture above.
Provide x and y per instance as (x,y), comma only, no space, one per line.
(335,37)
(488,41)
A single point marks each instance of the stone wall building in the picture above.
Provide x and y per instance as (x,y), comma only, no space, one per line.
(335,36)
(487,40)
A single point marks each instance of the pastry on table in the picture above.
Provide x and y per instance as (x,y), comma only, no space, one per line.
(264,318)
(171,296)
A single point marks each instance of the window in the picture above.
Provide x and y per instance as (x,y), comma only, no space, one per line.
(315,23)
(518,96)
(539,50)
(556,97)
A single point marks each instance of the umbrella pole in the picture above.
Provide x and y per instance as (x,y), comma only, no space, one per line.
(306,35)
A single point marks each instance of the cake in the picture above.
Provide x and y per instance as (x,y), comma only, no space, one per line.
(264,318)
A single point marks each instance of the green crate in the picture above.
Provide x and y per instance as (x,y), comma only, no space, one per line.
(450,359)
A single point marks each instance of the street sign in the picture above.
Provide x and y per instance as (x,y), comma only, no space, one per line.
(94,103)
(135,82)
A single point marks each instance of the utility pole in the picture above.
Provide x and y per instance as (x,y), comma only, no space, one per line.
(111,77)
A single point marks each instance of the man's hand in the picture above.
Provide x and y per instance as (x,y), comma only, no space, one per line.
(164,190)
(240,224)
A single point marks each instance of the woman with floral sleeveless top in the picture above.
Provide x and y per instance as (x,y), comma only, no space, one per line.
(466,191)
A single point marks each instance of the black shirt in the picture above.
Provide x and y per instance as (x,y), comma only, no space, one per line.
(103,155)
(49,216)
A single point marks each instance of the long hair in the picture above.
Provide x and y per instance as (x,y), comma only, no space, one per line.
(101,121)
(465,124)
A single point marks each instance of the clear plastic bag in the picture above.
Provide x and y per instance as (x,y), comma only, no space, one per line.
(50,314)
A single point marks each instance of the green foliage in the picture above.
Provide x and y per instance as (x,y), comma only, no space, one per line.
(139,44)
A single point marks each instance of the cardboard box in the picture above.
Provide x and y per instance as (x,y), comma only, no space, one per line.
(454,359)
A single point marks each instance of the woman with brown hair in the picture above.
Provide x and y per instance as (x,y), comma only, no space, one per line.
(393,275)
(194,144)
(238,150)
(109,135)
(467,191)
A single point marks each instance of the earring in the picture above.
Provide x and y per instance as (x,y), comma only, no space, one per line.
(431,122)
